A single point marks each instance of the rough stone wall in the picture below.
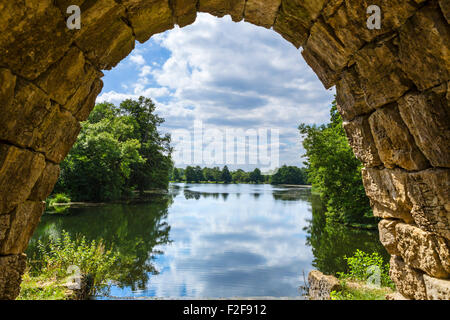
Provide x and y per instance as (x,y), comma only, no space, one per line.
(393,91)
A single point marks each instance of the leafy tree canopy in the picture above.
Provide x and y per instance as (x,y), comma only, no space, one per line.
(119,149)
(335,172)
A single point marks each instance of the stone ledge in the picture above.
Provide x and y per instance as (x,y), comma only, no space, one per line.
(12,268)
(320,285)
(437,289)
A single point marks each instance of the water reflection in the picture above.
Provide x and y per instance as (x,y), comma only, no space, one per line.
(330,241)
(215,240)
(136,232)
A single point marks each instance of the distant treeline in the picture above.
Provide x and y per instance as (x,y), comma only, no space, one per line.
(284,175)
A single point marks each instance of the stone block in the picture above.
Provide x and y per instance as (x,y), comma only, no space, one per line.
(384,213)
(262,12)
(395,145)
(427,116)
(44,185)
(184,11)
(350,96)
(429,193)
(387,235)
(387,188)
(424,48)
(220,8)
(33,36)
(149,17)
(362,142)
(291,28)
(437,289)
(379,74)
(19,171)
(105,37)
(66,76)
(12,268)
(422,250)
(408,281)
(320,285)
(23,221)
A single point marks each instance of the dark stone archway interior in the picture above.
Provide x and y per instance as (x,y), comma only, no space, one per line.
(392,86)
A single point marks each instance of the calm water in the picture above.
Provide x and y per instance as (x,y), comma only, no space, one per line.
(215,241)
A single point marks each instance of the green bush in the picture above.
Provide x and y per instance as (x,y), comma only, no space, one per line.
(335,172)
(368,267)
(367,278)
(53,203)
(39,288)
(61,198)
(349,293)
(54,258)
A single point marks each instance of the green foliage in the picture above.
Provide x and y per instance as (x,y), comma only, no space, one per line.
(335,173)
(256,176)
(290,175)
(53,204)
(367,278)
(194,174)
(359,293)
(136,233)
(331,241)
(240,176)
(60,198)
(119,150)
(92,258)
(286,175)
(226,175)
(40,288)
(364,266)
(176,175)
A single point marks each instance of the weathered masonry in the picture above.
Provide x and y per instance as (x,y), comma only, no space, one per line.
(392,84)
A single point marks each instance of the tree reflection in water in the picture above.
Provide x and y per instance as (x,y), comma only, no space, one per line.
(139,231)
(134,230)
(330,241)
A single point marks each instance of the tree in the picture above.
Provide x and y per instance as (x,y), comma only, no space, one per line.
(217,174)
(190,174)
(240,176)
(289,175)
(335,172)
(208,174)
(198,174)
(176,175)
(155,148)
(256,176)
(226,175)
(119,149)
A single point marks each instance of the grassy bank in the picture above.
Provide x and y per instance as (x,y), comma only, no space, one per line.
(367,278)
(64,262)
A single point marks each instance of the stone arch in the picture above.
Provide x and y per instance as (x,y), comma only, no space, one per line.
(392,89)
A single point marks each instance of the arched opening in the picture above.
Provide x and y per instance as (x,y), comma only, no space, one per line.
(393,95)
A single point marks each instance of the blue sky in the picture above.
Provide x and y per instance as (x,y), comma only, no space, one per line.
(228,75)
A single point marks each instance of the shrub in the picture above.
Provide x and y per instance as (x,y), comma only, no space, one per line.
(52,204)
(39,288)
(353,293)
(92,258)
(368,267)
(367,278)
(61,198)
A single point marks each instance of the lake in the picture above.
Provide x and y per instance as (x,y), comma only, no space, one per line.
(215,240)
